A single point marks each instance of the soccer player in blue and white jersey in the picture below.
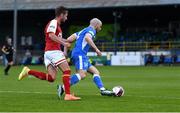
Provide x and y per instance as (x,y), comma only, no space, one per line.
(84,40)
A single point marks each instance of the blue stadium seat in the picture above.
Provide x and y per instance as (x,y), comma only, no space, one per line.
(145,59)
(168,60)
(156,59)
(178,59)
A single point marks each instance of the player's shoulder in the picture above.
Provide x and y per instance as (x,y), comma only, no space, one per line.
(91,31)
(51,26)
(53,22)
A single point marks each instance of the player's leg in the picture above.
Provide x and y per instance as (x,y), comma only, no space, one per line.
(4,60)
(98,81)
(66,75)
(75,78)
(59,60)
(50,76)
(96,77)
(81,65)
(10,63)
(64,66)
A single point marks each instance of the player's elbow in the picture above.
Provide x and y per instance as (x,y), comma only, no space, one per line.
(3,50)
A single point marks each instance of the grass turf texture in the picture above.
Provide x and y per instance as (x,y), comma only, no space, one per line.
(147,89)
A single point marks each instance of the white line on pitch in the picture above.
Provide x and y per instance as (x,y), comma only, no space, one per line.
(26,92)
(165,97)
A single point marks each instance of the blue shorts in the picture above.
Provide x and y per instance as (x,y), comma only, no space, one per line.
(81,62)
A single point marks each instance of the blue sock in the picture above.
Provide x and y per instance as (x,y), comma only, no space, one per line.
(97,80)
(75,79)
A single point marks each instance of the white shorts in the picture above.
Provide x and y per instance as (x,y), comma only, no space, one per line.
(54,58)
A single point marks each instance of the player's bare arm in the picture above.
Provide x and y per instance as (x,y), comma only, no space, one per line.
(4,50)
(59,40)
(92,44)
(70,39)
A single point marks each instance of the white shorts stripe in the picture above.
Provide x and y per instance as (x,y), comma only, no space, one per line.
(60,62)
(80,62)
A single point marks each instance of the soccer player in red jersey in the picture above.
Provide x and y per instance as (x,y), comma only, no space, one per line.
(53,57)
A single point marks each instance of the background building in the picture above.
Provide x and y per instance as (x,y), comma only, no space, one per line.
(128,25)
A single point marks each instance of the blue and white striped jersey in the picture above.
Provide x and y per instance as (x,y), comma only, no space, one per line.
(81,46)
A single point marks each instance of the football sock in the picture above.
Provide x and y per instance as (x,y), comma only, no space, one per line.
(7,68)
(66,81)
(75,79)
(97,80)
(41,75)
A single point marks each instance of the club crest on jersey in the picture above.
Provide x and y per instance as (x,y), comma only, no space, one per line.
(60,35)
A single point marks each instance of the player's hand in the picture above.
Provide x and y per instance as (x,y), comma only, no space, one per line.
(98,52)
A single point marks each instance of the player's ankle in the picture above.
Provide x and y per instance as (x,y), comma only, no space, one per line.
(67,94)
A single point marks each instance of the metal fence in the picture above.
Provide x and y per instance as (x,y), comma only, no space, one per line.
(138,46)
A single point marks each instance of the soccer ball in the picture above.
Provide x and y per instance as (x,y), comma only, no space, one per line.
(118,90)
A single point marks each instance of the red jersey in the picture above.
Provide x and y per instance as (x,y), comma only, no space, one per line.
(52,27)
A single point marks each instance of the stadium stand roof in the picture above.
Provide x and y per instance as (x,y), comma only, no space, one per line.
(51,4)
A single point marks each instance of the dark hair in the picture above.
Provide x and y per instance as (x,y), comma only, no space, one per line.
(60,10)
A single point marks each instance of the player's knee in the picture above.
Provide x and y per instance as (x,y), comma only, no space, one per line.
(51,78)
(97,72)
(83,75)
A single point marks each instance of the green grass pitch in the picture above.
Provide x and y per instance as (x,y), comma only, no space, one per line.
(147,89)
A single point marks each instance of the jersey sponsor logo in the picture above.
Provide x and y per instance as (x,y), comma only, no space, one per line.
(53,27)
(85,64)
